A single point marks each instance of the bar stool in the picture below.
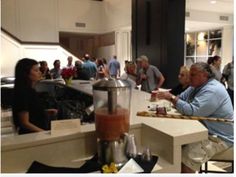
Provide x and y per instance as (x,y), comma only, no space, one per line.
(225,156)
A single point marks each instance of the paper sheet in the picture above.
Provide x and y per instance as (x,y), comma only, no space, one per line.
(65,126)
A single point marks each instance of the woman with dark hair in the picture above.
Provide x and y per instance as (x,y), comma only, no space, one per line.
(215,67)
(101,73)
(44,70)
(28,114)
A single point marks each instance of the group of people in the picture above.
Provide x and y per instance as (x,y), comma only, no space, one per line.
(29,114)
(84,69)
(141,73)
(205,96)
(199,93)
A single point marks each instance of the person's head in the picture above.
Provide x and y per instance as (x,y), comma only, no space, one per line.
(114,56)
(216,61)
(104,61)
(43,66)
(184,75)
(209,60)
(70,59)
(131,68)
(27,73)
(57,64)
(126,65)
(200,73)
(78,64)
(99,62)
(144,61)
(86,56)
(139,62)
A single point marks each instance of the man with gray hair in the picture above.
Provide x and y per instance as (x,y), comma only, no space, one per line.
(208,98)
(149,76)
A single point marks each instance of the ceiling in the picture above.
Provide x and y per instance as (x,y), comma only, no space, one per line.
(219,7)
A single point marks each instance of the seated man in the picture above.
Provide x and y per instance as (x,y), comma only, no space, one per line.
(205,97)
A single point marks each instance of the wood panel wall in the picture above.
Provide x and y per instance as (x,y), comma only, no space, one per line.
(79,44)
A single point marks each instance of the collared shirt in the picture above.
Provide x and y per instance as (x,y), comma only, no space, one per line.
(56,73)
(114,67)
(209,100)
(90,68)
(153,76)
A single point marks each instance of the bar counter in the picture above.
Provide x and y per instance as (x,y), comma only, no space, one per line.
(163,136)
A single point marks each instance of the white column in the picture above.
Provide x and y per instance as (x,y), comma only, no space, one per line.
(227,45)
(123,47)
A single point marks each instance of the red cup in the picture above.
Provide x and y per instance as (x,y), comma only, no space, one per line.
(154,95)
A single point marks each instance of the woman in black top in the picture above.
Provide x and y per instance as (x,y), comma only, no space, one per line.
(44,70)
(183,81)
(28,114)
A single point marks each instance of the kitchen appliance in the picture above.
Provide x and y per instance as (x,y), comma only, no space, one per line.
(111,99)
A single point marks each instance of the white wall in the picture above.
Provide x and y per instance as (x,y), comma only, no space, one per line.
(106,52)
(37,20)
(83,11)
(123,46)
(116,14)
(212,17)
(9,16)
(12,51)
(203,20)
(31,20)
(227,44)
(41,20)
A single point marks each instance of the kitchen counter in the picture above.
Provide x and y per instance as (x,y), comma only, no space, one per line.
(163,136)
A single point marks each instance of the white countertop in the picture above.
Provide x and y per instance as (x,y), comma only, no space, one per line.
(173,132)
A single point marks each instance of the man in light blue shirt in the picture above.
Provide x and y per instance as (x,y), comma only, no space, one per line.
(114,67)
(208,98)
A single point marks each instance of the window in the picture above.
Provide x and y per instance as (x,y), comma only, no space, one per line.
(201,45)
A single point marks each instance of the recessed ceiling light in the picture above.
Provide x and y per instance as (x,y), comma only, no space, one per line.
(213,2)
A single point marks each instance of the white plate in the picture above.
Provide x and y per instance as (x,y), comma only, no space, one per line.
(131,167)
